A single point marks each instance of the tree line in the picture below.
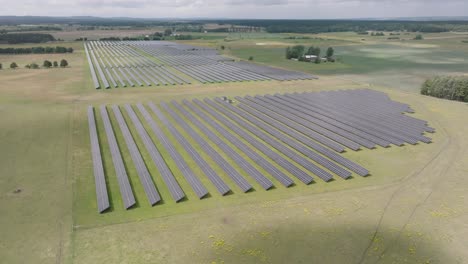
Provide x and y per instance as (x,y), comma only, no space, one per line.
(447,87)
(29,29)
(36,50)
(17,38)
(46,64)
(323,26)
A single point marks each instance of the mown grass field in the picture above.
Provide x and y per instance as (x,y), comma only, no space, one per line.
(412,209)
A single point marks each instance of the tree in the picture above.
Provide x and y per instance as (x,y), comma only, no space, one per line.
(27,66)
(318,60)
(314,51)
(168,32)
(47,64)
(251,58)
(222,47)
(330,52)
(1,66)
(55,64)
(295,52)
(70,50)
(13,65)
(63,63)
(419,37)
(34,66)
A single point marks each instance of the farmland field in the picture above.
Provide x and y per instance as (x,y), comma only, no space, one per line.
(411,209)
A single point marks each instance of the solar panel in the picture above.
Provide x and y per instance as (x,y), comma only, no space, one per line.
(99,178)
(174,188)
(122,177)
(143,173)
(189,175)
(318,148)
(300,111)
(245,165)
(233,173)
(206,168)
(301,175)
(249,152)
(267,166)
(307,121)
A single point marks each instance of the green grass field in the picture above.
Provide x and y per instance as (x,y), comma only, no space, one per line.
(412,209)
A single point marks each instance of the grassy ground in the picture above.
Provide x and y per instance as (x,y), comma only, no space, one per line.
(375,60)
(412,209)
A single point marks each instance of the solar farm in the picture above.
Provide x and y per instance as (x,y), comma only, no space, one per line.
(116,64)
(300,133)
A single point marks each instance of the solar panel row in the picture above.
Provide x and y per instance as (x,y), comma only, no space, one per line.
(91,68)
(266,165)
(233,173)
(258,159)
(166,173)
(312,154)
(189,175)
(99,178)
(306,114)
(310,122)
(205,167)
(143,173)
(384,117)
(288,166)
(124,184)
(244,164)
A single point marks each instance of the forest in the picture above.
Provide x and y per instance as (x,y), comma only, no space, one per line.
(447,87)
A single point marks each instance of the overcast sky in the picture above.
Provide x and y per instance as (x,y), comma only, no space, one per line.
(309,9)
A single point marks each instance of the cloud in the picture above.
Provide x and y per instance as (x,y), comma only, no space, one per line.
(297,9)
(177,3)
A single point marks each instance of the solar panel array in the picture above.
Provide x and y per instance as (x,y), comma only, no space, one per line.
(266,141)
(154,63)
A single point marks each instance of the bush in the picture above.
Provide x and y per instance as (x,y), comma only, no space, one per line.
(251,58)
(418,37)
(63,63)
(447,87)
(13,65)
(55,64)
(34,66)
(1,66)
(111,38)
(47,64)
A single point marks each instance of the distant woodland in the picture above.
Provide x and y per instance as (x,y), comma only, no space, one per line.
(17,38)
(272,26)
(323,26)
